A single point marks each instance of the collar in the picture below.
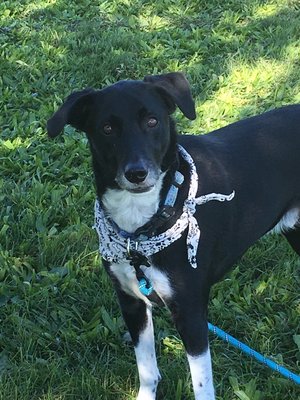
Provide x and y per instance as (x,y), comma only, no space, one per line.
(165,212)
(115,247)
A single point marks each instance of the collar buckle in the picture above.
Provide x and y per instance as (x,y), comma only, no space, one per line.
(166,212)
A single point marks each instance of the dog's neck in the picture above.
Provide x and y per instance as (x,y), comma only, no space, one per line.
(129,210)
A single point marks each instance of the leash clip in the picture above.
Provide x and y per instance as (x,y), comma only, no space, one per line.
(136,260)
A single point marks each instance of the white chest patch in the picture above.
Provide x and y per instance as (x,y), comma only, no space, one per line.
(125,274)
(132,210)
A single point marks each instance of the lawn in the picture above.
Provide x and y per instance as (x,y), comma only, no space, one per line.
(60,325)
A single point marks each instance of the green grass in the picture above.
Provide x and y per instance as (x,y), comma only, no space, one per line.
(60,325)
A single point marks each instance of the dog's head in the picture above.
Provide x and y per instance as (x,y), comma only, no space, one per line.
(128,127)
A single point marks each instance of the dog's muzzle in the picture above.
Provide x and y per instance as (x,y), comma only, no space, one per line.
(138,177)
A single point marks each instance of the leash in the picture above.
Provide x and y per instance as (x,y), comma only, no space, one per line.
(250,352)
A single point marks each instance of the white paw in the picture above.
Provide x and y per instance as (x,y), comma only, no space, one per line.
(147,393)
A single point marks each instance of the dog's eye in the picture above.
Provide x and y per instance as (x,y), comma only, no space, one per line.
(152,122)
(107,129)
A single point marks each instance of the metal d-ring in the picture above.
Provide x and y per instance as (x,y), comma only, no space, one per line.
(128,247)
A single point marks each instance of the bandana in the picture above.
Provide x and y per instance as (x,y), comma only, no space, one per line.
(115,247)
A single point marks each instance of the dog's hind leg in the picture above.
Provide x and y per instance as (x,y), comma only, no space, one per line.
(191,323)
(138,318)
(293,237)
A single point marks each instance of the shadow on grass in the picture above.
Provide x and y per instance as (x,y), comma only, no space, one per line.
(94,44)
(202,38)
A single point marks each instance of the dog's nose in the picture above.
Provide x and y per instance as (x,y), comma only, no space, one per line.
(136,174)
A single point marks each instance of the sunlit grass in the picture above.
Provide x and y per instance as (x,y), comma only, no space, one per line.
(60,324)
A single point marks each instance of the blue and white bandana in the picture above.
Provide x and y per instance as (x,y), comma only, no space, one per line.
(115,248)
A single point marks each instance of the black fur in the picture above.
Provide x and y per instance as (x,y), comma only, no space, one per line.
(258,157)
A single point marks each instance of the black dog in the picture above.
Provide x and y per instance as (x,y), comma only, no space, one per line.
(164,237)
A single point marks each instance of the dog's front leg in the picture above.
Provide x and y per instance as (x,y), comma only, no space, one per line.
(191,322)
(146,361)
(138,318)
(201,372)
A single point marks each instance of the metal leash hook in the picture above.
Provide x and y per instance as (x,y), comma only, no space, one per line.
(136,260)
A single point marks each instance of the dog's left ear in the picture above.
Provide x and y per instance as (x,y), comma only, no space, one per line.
(177,87)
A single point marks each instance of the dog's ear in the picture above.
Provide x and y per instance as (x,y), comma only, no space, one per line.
(74,111)
(177,87)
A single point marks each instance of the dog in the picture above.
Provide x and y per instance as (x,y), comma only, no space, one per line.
(175,212)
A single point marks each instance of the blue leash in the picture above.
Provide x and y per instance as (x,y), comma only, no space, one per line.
(250,352)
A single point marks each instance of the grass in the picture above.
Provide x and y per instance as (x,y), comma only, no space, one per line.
(60,325)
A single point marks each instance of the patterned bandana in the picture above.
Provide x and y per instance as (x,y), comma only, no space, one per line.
(115,248)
